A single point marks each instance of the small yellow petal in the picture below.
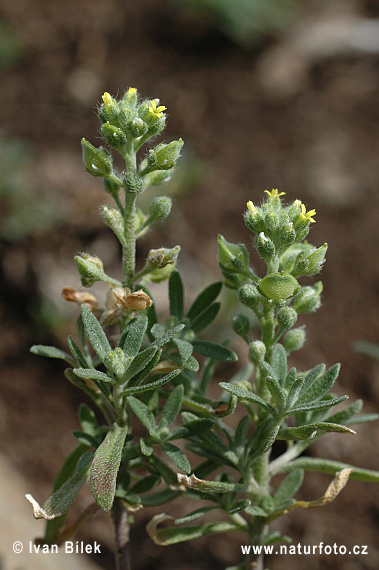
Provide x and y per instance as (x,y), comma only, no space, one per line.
(250,206)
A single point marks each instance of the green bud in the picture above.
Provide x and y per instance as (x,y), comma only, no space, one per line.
(98,161)
(133,183)
(90,269)
(241,324)
(117,362)
(254,218)
(286,317)
(160,207)
(294,339)
(130,97)
(249,295)
(265,246)
(109,109)
(232,256)
(287,234)
(156,177)
(137,127)
(159,258)
(277,286)
(308,299)
(310,262)
(257,351)
(114,220)
(114,136)
(288,258)
(165,156)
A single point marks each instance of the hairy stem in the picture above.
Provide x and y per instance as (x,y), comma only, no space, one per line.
(122,542)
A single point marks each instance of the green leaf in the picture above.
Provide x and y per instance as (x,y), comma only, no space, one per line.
(85,438)
(160,497)
(132,338)
(320,385)
(262,438)
(330,466)
(166,337)
(277,392)
(146,484)
(368,348)
(197,427)
(320,405)
(279,363)
(205,486)
(152,385)
(177,534)
(291,379)
(145,416)
(347,413)
(146,449)
(256,511)
(67,470)
(176,295)
(164,470)
(52,352)
(172,407)
(289,486)
(308,431)
(295,392)
(92,374)
(145,372)
(177,456)
(105,466)
(130,452)
(59,502)
(77,353)
(248,396)
(185,348)
(152,319)
(195,515)
(205,318)
(204,300)
(240,434)
(140,362)
(312,375)
(95,334)
(214,350)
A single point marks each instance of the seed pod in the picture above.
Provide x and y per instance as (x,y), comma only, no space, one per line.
(277,286)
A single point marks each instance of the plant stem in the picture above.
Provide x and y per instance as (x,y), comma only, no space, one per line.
(122,542)
(129,249)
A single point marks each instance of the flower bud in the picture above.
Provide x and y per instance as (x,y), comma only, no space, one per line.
(165,156)
(137,127)
(159,258)
(257,351)
(253,218)
(117,361)
(265,247)
(160,207)
(232,256)
(277,286)
(308,299)
(114,220)
(294,339)
(114,136)
(241,324)
(286,317)
(249,295)
(287,234)
(97,161)
(90,269)
(133,183)
(109,109)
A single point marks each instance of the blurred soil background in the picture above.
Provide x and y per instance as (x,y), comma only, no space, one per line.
(266,94)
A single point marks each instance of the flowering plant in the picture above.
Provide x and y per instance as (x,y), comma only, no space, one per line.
(148,373)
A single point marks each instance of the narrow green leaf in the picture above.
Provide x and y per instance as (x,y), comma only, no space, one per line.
(195,515)
(256,511)
(140,362)
(279,362)
(363,418)
(146,449)
(52,352)
(146,484)
(77,354)
(367,348)
(172,407)
(204,300)
(291,379)
(185,348)
(289,486)
(177,456)
(92,374)
(152,319)
(347,413)
(269,369)
(277,392)
(130,452)
(146,371)
(295,392)
(321,385)
(241,434)
(164,470)
(152,385)
(330,466)
(160,498)
(205,318)
(95,334)
(205,486)
(177,534)
(166,337)
(262,438)
(249,396)
(320,405)
(105,466)
(132,338)
(214,350)
(145,416)
(176,295)
(311,376)
(308,431)
(85,438)
(197,427)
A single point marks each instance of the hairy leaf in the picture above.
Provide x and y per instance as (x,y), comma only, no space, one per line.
(204,300)
(214,350)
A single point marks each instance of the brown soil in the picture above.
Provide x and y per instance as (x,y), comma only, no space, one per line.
(251,120)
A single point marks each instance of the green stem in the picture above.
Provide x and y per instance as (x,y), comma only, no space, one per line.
(129,249)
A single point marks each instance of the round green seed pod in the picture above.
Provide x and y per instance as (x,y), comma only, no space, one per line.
(286,317)
(257,350)
(277,286)
(249,295)
(294,339)
(241,324)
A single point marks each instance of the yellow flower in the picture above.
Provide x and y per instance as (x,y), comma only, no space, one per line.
(274,193)
(132,90)
(107,99)
(250,206)
(157,111)
(307,216)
